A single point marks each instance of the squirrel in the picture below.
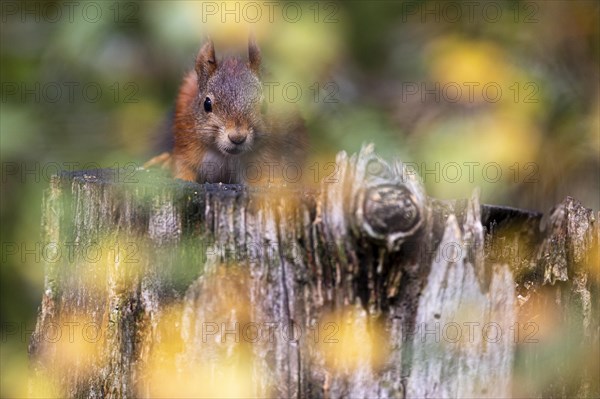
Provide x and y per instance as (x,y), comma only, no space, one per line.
(224,130)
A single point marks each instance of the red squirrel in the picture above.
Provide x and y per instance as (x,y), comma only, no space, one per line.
(224,130)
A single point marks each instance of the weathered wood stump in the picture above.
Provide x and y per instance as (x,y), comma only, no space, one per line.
(364,288)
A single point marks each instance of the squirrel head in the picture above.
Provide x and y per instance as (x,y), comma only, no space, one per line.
(229,100)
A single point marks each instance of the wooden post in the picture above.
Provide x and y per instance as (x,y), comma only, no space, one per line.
(364,288)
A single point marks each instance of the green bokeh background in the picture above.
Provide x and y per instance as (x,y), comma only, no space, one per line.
(366,56)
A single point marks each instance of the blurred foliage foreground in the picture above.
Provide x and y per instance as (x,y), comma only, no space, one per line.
(174,289)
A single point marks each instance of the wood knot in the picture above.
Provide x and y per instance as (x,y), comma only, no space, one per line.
(390,209)
(389,212)
(387,202)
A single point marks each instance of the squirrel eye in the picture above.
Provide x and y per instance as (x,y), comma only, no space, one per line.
(207,105)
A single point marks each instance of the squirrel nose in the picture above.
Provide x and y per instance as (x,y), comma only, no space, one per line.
(236,138)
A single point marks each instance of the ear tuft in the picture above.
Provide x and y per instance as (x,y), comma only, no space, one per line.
(254,57)
(206,63)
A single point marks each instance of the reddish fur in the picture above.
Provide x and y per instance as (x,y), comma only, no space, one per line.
(188,153)
(276,139)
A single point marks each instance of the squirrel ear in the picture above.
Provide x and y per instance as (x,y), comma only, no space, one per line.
(253,55)
(206,62)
